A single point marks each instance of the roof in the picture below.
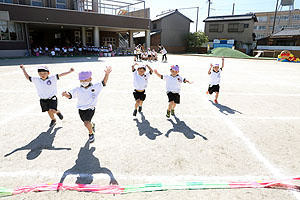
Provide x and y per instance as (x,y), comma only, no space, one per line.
(172,12)
(249,16)
(286,32)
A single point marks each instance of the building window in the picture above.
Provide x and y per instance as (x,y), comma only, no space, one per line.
(10,31)
(37,2)
(272,18)
(6,1)
(154,26)
(213,27)
(109,40)
(262,19)
(284,17)
(296,17)
(258,36)
(246,25)
(62,4)
(89,37)
(77,36)
(88,5)
(233,27)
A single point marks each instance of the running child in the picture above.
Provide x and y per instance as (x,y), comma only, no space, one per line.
(87,94)
(215,77)
(47,90)
(173,86)
(140,81)
(164,52)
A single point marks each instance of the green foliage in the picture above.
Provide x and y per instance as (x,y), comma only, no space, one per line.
(196,39)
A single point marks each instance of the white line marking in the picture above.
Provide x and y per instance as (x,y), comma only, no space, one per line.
(251,146)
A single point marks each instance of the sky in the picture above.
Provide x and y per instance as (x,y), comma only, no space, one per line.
(218,7)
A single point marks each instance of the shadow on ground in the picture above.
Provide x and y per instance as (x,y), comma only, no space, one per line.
(86,165)
(48,60)
(224,109)
(144,127)
(43,142)
(181,127)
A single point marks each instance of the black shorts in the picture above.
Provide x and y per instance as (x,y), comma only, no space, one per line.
(174,97)
(47,104)
(213,88)
(139,95)
(86,115)
(135,55)
(149,56)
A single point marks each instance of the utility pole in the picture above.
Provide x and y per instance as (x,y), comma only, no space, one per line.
(275,17)
(197,19)
(233,8)
(208,7)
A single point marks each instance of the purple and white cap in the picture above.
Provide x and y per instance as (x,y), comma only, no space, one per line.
(216,65)
(84,75)
(175,67)
(43,69)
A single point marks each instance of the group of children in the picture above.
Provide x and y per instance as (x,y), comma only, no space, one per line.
(87,93)
(148,54)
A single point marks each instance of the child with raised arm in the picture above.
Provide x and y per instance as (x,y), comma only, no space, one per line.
(215,77)
(173,86)
(87,94)
(47,90)
(140,81)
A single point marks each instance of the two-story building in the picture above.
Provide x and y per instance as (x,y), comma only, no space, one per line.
(232,27)
(26,24)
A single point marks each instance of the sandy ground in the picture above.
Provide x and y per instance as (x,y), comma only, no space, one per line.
(253,134)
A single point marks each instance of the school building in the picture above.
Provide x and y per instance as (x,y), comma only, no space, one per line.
(170,29)
(27,24)
(236,28)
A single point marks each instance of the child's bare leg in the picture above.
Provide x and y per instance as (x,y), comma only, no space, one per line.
(174,105)
(51,113)
(141,102)
(217,95)
(170,106)
(137,103)
(88,125)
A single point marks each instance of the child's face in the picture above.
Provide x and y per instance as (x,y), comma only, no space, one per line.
(216,68)
(43,75)
(174,72)
(141,71)
(86,80)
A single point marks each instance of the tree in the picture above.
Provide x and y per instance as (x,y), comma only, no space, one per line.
(196,39)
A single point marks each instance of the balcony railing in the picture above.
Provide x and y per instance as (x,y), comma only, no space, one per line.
(130,8)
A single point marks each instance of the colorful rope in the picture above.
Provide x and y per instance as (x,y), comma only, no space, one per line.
(116,189)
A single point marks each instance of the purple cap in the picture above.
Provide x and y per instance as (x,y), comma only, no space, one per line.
(43,69)
(85,75)
(216,65)
(175,67)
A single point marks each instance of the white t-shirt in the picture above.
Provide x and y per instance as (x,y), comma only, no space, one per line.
(53,53)
(164,51)
(140,82)
(173,84)
(215,77)
(45,88)
(87,97)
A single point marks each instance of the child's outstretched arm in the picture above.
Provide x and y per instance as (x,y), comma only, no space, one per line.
(158,74)
(107,72)
(133,67)
(24,71)
(209,71)
(150,69)
(66,94)
(222,63)
(187,81)
(66,73)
